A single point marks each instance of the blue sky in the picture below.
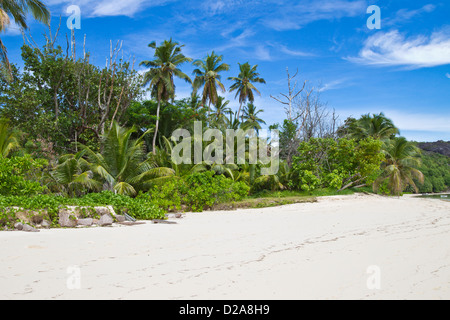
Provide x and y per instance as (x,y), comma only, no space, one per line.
(403,69)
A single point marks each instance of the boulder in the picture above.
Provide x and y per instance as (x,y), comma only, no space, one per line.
(46,224)
(120,218)
(67,220)
(28,228)
(18,226)
(105,220)
(85,222)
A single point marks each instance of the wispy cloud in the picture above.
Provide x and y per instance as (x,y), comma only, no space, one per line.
(12,30)
(293,17)
(104,8)
(405,15)
(335,84)
(447,75)
(394,49)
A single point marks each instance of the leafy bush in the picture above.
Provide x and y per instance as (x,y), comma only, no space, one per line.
(198,192)
(20,176)
(436,169)
(341,164)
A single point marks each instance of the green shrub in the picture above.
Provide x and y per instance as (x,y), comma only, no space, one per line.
(20,176)
(198,192)
(337,164)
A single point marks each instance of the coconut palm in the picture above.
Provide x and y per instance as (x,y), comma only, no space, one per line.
(220,112)
(18,11)
(8,139)
(73,174)
(376,126)
(399,167)
(243,84)
(160,77)
(207,75)
(250,117)
(123,165)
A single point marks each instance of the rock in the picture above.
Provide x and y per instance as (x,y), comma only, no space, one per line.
(101,211)
(120,218)
(46,224)
(174,216)
(28,228)
(85,222)
(67,220)
(105,220)
(18,226)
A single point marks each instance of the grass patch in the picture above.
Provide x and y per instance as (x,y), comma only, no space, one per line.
(253,203)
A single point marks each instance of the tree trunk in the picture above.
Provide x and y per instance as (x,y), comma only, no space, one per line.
(156,128)
(239,111)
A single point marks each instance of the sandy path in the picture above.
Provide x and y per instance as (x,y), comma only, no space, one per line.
(306,251)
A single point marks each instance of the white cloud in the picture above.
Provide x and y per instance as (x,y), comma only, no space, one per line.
(333,85)
(447,75)
(293,17)
(108,7)
(393,49)
(405,15)
(262,53)
(12,30)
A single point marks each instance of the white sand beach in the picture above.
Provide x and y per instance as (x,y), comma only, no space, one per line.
(318,250)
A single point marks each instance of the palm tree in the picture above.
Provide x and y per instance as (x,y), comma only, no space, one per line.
(18,10)
(73,174)
(244,84)
(168,58)
(218,117)
(250,116)
(8,139)
(122,164)
(376,126)
(399,168)
(207,75)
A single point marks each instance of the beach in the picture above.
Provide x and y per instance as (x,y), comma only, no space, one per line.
(341,247)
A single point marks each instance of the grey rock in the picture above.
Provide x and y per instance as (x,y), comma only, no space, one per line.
(105,220)
(120,218)
(18,226)
(85,222)
(28,228)
(66,220)
(46,224)
(171,216)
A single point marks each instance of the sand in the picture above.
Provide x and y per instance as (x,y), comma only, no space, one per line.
(343,247)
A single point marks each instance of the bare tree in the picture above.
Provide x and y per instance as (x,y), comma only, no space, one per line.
(291,96)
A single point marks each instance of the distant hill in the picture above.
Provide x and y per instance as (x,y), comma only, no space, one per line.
(440,147)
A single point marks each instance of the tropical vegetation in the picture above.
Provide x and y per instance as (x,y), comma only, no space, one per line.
(73,133)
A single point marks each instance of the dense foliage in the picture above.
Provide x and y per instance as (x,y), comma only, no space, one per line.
(198,192)
(337,164)
(81,135)
(436,169)
(21,176)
